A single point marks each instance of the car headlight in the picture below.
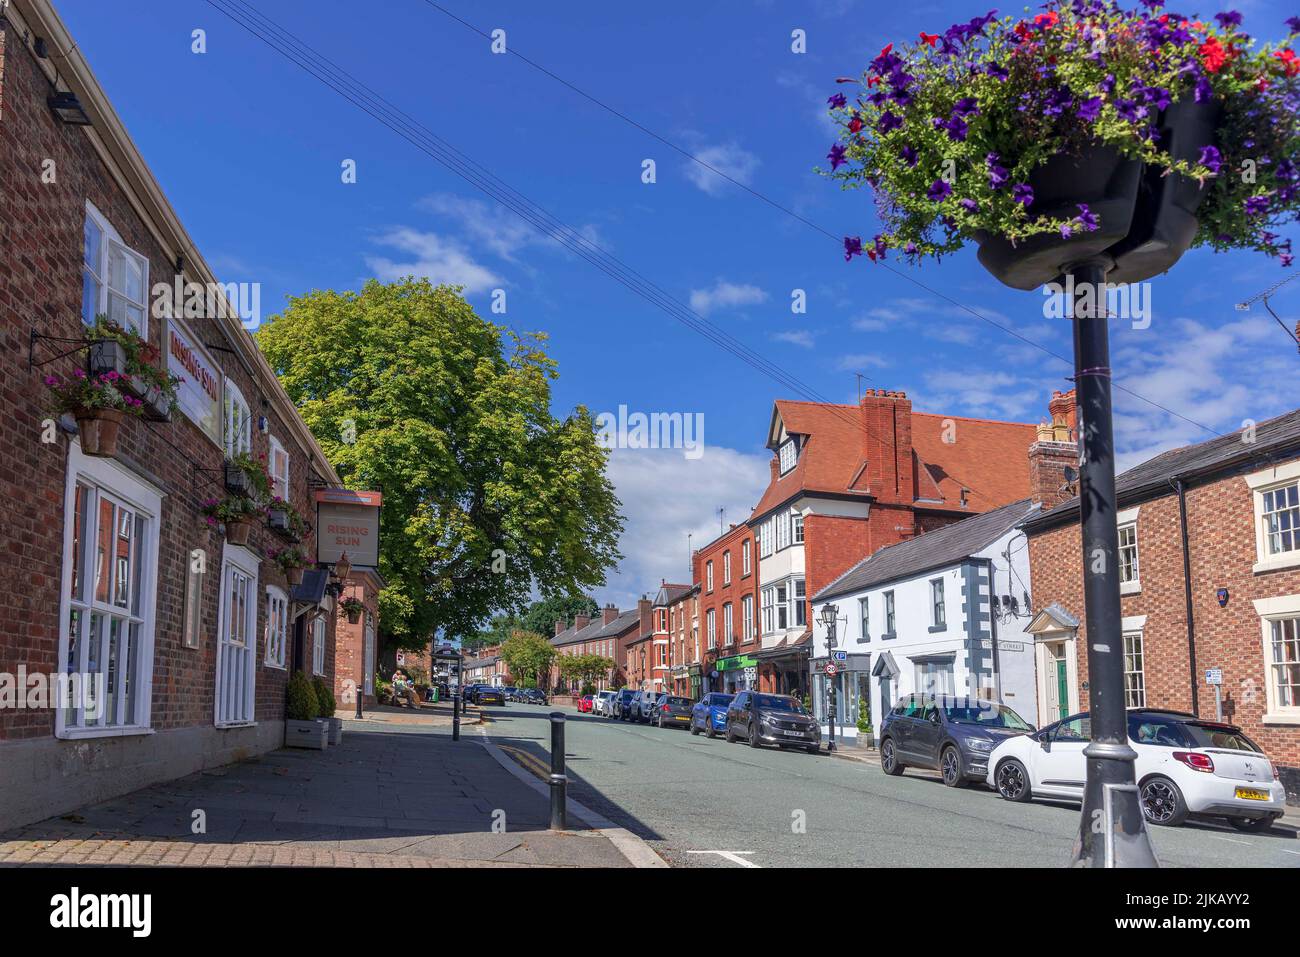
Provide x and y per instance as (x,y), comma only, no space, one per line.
(980,745)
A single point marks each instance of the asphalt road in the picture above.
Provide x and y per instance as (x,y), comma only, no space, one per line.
(703,803)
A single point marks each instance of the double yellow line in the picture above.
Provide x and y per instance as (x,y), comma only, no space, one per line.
(529,762)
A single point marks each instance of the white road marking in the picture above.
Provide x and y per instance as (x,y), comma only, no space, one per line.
(733,856)
(1230,840)
(1285,851)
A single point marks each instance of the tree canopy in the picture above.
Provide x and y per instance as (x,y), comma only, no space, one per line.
(528,656)
(488,497)
(540,617)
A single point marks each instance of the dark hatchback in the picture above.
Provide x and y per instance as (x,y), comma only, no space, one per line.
(772,719)
(621,706)
(489,695)
(671,711)
(953,736)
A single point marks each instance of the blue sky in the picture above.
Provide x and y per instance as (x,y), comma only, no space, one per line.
(249,149)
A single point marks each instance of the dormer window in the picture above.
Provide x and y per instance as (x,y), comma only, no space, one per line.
(789,455)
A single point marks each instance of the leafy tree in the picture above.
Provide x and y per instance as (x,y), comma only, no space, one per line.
(488,497)
(584,669)
(541,616)
(528,656)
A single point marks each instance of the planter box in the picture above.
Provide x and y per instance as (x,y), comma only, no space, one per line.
(335,726)
(156,408)
(306,734)
(1098,176)
(1165,223)
(106,356)
(277,520)
(237,480)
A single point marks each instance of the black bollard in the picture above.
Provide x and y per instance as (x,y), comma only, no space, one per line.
(559,782)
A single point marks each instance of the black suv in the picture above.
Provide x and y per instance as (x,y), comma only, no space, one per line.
(951,735)
(621,706)
(772,719)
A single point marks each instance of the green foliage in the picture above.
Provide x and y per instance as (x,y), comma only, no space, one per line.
(528,656)
(82,393)
(301,703)
(259,479)
(325,696)
(864,715)
(1024,91)
(408,390)
(539,617)
(230,508)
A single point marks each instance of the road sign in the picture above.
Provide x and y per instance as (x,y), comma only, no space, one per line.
(840,655)
(1214,676)
(830,669)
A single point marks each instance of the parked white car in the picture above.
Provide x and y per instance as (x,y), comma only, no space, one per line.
(1185,766)
(600,702)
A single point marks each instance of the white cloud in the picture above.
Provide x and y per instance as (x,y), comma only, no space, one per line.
(796,337)
(494,227)
(665,497)
(985,393)
(856,361)
(728,158)
(726,295)
(441,259)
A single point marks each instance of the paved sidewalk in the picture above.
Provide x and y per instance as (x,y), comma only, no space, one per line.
(392,795)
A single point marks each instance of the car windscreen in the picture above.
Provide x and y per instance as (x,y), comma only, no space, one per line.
(776,702)
(721,700)
(1223,736)
(675,701)
(986,715)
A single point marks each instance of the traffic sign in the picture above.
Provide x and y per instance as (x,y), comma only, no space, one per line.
(840,655)
(829,669)
(1214,676)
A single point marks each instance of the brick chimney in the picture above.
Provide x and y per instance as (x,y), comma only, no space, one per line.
(559,625)
(608,614)
(1055,449)
(643,609)
(775,466)
(581,621)
(887,444)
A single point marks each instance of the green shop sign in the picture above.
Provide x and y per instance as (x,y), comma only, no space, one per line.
(739,661)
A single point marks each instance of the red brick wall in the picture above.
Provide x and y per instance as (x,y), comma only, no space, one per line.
(41,229)
(1222,547)
(734,593)
(350,643)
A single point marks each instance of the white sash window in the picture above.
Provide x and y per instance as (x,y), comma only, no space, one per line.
(114,276)
(110,574)
(277,626)
(236,638)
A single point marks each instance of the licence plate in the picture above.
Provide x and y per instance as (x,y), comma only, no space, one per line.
(682,717)
(1252,794)
(793,734)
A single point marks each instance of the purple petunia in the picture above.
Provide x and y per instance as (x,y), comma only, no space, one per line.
(1022,193)
(1210,159)
(1256,205)
(966,106)
(1293,24)
(1088,219)
(909,154)
(997,174)
(997,72)
(1057,101)
(852,247)
(1286,259)
(968,204)
(836,156)
(1130,110)
(837,101)
(1203,89)
(1089,109)
(889,122)
(956,128)
(939,190)
(1231,18)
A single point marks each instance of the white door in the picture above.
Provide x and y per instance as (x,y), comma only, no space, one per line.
(236,647)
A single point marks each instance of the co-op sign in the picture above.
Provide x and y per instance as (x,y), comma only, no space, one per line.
(347,521)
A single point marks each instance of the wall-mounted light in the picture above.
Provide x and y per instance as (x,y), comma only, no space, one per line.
(68,108)
(263,425)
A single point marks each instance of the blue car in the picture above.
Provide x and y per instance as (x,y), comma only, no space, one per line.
(710,714)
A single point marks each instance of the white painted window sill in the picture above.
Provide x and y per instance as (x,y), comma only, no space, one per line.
(231,725)
(73,734)
(1130,588)
(1282,718)
(1274,562)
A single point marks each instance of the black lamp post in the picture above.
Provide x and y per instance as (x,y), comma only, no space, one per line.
(829,613)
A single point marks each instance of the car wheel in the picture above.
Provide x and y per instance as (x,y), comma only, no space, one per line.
(1013,781)
(814,749)
(731,737)
(1162,802)
(708,730)
(694,730)
(753,736)
(1255,825)
(950,766)
(889,762)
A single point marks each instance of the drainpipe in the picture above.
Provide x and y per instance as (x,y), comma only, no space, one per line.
(1187,591)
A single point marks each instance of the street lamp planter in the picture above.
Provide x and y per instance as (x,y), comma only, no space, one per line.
(1084,131)
(1098,145)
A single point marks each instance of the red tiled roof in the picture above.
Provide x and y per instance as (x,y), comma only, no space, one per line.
(989,458)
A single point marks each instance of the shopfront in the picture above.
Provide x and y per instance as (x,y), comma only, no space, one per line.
(852,683)
(737,673)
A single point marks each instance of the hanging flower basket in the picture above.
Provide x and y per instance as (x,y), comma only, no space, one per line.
(292,561)
(97,403)
(115,348)
(237,532)
(235,512)
(353,608)
(1083,131)
(246,475)
(283,519)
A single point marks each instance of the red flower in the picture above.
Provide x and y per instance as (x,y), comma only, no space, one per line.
(872,81)
(929,39)
(1290,63)
(1045,20)
(855,124)
(1213,55)
(885,49)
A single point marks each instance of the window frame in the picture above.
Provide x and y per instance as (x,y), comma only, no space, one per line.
(275,594)
(711,628)
(891,615)
(792,446)
(938,606)
(726,568)
(746,559)
(747,613)
(1134,649)
(123,489)
(728,624)
(1261,483)
(864,619)
(109,239)
(232,397)
(1270,610)
(276,446)
(242,560)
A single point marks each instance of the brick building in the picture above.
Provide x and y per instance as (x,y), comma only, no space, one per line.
(849,480)
(604,635)
(355,642)
(685,656)
(112,571)
(726,573)
(1209,561)
(663,632)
